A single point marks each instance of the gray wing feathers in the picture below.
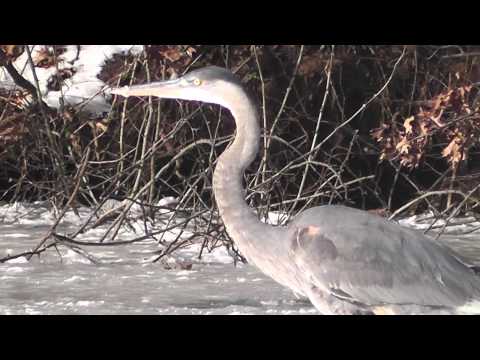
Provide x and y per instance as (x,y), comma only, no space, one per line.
(343,250)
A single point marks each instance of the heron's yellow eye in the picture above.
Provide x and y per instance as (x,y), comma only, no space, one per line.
(197,82)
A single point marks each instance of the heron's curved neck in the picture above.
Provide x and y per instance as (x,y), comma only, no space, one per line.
(240,221)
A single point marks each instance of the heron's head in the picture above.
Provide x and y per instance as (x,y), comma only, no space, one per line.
(210,84)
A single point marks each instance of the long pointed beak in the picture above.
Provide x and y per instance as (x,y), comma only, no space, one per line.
(169,89)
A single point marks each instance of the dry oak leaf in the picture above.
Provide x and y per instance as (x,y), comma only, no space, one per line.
(408,125)
(403,147)
(453,152)
(9,53)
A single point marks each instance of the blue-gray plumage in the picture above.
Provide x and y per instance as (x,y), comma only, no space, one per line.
(371,262)
(346,261)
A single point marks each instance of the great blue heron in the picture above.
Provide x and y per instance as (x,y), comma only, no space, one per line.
(346,261)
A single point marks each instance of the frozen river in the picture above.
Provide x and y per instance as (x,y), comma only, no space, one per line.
(129,288)
(127,282)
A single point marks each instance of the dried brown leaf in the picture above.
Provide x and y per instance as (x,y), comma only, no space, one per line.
(172,54)
(404,146)
(9,53)
(408,125)
(453,152)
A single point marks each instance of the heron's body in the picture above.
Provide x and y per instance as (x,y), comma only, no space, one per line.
(344,260)
(356,261)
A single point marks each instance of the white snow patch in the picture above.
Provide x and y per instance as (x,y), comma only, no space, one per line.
(16,235)
(74,278)
(19,260)
(30,311)
(471,308)
(87,303)
(84,87)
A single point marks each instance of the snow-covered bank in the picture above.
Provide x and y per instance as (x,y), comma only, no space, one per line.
(85,63)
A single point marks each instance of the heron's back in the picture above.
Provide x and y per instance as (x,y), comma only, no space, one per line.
(378,261)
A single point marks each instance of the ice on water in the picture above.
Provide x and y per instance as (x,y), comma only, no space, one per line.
(127,282)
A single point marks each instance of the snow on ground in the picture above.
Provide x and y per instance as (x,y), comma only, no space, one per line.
(83,87)
(40,216)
